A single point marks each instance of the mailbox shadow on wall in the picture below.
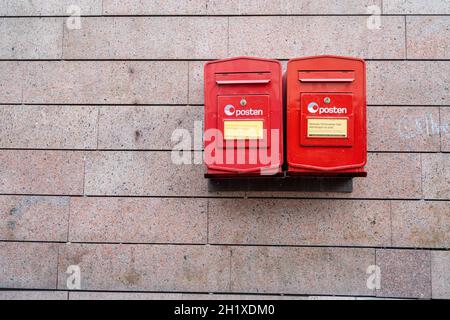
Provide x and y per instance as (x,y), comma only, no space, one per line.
(325,140)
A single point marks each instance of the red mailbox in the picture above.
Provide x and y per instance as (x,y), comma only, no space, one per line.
(243,117)
(326,116)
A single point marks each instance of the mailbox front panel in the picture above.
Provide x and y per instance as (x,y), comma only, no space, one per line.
(243,104)
(247,124)
(326,116)
(326,119)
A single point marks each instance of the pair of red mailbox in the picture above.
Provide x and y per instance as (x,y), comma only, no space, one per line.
(325,117)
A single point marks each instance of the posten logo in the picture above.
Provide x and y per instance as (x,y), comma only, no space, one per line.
(313,107)
(230,110)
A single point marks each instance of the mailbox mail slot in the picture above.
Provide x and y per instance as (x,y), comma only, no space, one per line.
(326,116)
(243,117)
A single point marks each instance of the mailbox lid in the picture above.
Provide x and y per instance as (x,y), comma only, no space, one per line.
(259,82)
(245,75)
(341,80)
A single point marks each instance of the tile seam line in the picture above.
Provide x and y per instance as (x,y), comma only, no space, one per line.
(217,197)
(227,245)
(421,176)
(230,266)
(440,130)
(235,197)
(188,82)
(406,38)
(68,220)
(98,126)
(84,173)
(212,16)
(62,40)
(430,270)
(57,267)
(207,221)
(91,150)
(228,36)
(375,261)
(201,60)
(387,105)
(43,104)
(206,293)
(391,222)
(22,87)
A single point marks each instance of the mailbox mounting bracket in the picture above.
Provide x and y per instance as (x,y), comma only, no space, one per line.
(282,183)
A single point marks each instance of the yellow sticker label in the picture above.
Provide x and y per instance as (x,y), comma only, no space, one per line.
(327,128)
(243,129)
